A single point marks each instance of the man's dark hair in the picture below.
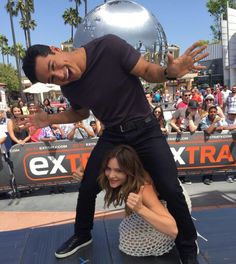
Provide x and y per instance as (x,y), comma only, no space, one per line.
(30,59)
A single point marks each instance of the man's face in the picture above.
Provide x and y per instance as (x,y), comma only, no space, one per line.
(208,90)
(149,98)
(212,113)
(234,89)
(186,97)
(58,68)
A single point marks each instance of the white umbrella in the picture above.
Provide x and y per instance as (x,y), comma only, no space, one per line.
(37,88)
(53,87)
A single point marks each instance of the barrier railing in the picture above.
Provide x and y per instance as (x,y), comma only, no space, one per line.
(40,164)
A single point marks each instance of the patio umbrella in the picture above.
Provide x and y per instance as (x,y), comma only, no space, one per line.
(53,87)
(37,88)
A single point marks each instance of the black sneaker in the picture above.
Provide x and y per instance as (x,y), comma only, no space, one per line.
(73,244)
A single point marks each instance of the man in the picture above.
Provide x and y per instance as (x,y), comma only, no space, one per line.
(183,101)
(90,76)
(186,119)
(210,124)
(231,100)
(225,93)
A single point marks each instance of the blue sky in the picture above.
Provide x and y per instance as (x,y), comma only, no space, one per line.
(183,21)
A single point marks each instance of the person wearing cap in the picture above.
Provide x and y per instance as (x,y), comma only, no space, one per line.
(186,119)
(231,101)
(207,103)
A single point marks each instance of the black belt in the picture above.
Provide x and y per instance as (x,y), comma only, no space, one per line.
(132,124)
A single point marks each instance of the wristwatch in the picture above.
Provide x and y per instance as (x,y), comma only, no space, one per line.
(169,78)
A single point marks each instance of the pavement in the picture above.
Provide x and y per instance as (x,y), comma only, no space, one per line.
(43,207)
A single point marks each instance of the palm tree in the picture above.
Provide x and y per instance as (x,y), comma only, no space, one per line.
(8,52)
(26,7)
(20,53)
(3,43)
(10,7)
(71,17)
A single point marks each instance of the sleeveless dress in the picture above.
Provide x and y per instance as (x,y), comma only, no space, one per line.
(139,238)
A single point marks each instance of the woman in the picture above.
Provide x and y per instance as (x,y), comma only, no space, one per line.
(18,133)
(207,103)
(23,107)
(147,221)
(158,113)
(47,106)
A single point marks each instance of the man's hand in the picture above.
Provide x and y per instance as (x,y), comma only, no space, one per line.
(38,120)
(135,201)
(179,67)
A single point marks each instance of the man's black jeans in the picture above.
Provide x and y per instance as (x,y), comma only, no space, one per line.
(158,160)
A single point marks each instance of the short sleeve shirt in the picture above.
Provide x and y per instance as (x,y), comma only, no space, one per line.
(107,87)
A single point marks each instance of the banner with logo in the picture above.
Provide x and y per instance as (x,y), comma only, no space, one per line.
(49,163)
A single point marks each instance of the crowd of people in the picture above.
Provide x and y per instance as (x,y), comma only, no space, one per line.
(211,110)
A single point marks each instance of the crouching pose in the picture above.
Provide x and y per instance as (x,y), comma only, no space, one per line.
(148,228)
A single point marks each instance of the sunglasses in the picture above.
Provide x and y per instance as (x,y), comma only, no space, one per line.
(187,95)
(209,100)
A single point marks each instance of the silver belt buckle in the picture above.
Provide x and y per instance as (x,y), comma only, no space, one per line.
(121,129)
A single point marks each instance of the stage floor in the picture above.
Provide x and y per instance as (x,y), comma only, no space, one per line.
(37,245)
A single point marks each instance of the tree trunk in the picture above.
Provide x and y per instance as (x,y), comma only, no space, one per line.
(15,52)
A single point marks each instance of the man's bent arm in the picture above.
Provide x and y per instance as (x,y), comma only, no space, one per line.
(69,116)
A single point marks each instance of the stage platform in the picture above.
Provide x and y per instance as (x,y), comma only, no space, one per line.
(37,245)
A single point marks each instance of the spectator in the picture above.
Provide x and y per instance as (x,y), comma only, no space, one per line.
(80,131)
(207,103)
(218,97)
(66,128)
(208,91)
(210,124)
(57,131)
(3,138)
(186,119)
(225,93)
(47,135)
(149,98)
(157,97)
(166,98)
(147,220)
(231,101)
(18,133)
(33,131)
(24,107)
(158,112)
(196,95)
(97,127)
(47,106)
(184,100)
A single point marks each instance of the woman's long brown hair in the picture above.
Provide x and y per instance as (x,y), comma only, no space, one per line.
(129,164)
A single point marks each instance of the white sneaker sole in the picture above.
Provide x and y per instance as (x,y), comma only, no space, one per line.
(74,250)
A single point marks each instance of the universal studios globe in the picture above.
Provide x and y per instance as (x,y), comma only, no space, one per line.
(128,20)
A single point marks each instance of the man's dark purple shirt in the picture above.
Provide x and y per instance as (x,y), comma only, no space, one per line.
(107,87)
